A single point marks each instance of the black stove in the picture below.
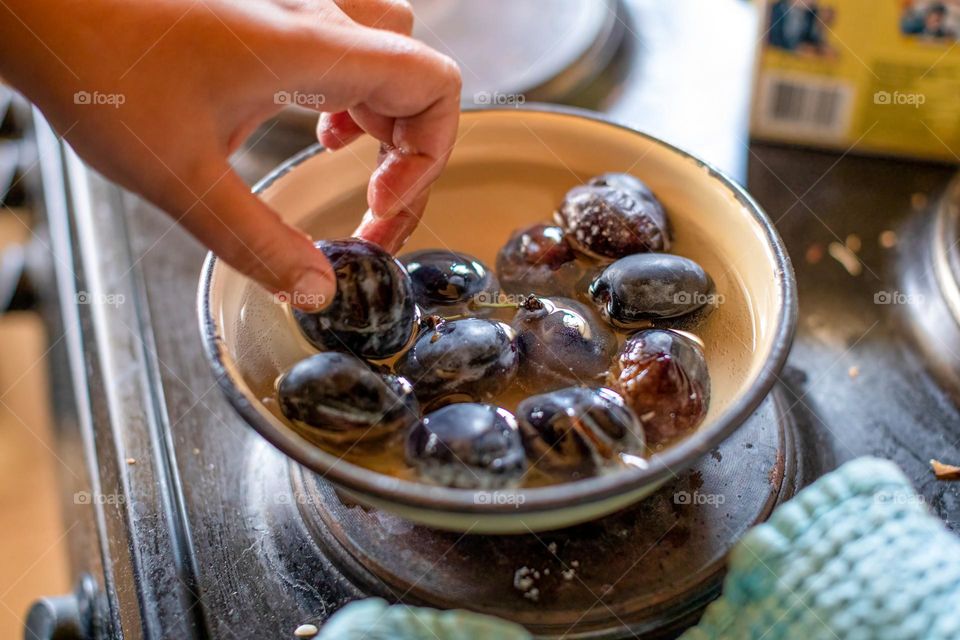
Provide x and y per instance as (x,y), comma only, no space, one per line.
(189,525)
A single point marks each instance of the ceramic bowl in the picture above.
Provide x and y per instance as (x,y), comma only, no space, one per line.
(512,167)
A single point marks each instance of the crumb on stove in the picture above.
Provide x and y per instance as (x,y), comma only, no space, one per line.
(306,631)
(522,580)
(945,471)
(575,564)
(888,239)
(552,547)
(814,253)
(546,571)
(853,372)
(568,574)
(131,461)
(846,258)
(854,243)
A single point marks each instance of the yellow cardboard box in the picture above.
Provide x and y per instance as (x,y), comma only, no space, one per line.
(874,76)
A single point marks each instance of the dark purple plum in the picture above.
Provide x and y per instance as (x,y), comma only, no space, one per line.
(614,215)
(650,286)
(374,313)
(472,358)
(343,400)
(662,375)
(562,343)
(575,432)
(538,259)
(468,445)
(446,281)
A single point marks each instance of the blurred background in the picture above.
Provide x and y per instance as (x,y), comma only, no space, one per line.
(32,539)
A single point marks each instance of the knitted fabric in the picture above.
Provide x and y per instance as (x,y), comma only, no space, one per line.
(374,619)
(854,556)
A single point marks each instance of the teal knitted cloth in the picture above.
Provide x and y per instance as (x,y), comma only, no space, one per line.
(374,619)
(855,556)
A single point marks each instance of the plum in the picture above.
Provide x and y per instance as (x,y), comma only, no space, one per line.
(650,286)
(374,314)
(562,342)
(663,377)
(612,216)
(343,400)
(469,446)
(576,431)
(538,259)
(472,358)
(446,281)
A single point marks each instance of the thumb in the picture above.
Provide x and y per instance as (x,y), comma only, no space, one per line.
(249,236)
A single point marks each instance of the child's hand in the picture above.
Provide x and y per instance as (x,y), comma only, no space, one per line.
(156,95)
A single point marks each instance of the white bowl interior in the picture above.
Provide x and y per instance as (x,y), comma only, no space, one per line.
(510,169)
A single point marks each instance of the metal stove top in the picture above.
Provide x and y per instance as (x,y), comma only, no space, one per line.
(202,530)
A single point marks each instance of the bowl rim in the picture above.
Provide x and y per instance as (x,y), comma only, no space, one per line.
(408,493)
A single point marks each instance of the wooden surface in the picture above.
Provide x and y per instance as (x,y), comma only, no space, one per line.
(33,550)
(32,547)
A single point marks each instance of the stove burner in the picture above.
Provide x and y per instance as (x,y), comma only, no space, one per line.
(509,52)
(928,261)
(508,49)
(649,569)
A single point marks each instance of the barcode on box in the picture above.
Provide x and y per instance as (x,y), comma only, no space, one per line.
(798,106)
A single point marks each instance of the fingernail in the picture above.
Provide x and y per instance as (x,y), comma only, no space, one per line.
(330,139)
(313,291)
(329,133)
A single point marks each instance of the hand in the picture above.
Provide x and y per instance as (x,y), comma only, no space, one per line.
(156,95)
